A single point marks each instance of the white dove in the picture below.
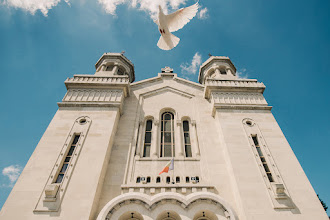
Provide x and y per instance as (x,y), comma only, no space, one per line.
(173,22)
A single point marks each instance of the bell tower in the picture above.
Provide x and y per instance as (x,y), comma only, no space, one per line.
(217,68)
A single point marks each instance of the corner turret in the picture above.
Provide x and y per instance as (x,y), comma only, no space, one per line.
(217,67)
(114,64)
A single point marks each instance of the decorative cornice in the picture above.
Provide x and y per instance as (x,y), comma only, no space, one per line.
(98,82)
(90,104)
(240,107)
(250,85)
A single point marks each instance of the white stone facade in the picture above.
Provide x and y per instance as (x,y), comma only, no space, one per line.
(101,155)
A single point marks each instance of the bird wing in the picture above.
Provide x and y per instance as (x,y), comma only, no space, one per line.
(181,17)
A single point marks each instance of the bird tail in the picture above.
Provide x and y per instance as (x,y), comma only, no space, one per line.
(168,42)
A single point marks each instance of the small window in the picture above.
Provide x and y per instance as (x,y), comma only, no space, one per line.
(158,180)
(109,68)
(147,139)
(177,179)
(120,71)
(168,179)
(262,158)
(223,72)
(186,136)
(197,179)
(82,121)
(138,180)
(67,159)
(187,179)
(148,179)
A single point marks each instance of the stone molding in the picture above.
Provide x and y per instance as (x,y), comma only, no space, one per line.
(98,82)
(93,95)
(250,85)
(238,98)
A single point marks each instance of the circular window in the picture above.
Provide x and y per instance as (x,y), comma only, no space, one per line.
(82,121)
(249,123)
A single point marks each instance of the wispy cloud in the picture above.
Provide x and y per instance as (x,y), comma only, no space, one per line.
(191,69)
(110,6)
(149,6)
(203,13)
(12,172)
(33,5)
(242,73)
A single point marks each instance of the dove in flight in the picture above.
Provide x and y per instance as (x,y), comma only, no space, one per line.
(173,22)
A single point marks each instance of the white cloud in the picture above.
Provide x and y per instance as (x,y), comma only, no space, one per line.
(149,6)
(203,13)
(242,74)
(12,172)
(33,5)
(191,69)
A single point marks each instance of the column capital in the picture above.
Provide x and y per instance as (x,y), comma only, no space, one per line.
(178,122)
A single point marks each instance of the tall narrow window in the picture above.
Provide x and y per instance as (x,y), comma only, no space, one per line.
(167,135)
(262,158)
(67,159)
(187,143)
(147,139)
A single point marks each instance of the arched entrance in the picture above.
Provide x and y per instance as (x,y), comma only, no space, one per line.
(167,206)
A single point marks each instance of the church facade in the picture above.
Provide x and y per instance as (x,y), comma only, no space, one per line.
(102,153)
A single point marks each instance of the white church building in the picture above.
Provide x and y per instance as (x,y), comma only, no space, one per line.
(102,153)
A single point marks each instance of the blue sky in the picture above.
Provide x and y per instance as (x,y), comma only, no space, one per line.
(284,44)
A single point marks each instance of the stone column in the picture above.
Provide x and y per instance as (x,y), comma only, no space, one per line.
(229,72)
(115,69)
(178,140)
(217,72)
(140,140)
(154,139)
(194,139)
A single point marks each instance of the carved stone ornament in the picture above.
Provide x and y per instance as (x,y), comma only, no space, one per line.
(167,69)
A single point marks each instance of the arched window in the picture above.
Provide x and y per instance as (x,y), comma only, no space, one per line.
(168,179)
(109,68)
(186,135)
(167,135)
(158,180)
(120,71)
(223,72)
(147,139)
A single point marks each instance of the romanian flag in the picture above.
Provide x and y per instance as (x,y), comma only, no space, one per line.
(169,166)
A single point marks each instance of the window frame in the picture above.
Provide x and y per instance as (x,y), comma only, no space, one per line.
(172,131)
(188,133)
(145,136)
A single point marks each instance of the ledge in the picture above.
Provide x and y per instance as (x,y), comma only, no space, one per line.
(242,85)
(167,185)
(240,107)
(88,104)
(92,81)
